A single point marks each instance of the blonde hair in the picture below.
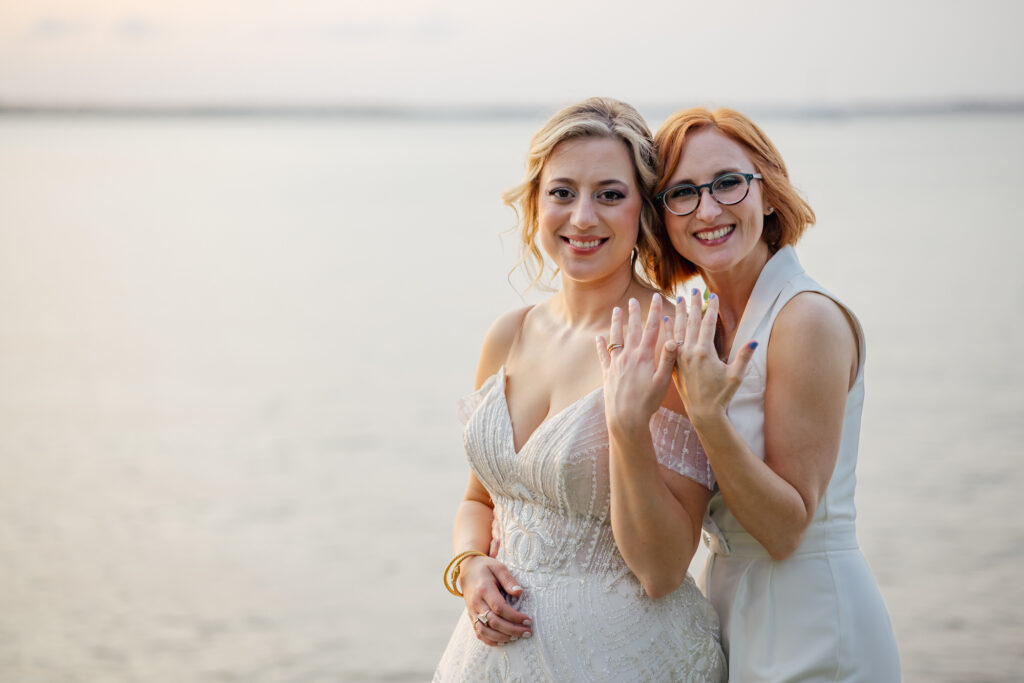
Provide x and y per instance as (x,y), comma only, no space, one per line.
(791,216)
(598,117)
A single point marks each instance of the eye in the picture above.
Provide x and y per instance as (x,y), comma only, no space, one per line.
(682,192)
(728,182)
(561,193)
(610,195)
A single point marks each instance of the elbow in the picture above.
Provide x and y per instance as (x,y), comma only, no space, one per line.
(783,547)
(660,586)
(790,535)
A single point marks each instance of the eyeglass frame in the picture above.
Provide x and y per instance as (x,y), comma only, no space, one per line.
(700,195)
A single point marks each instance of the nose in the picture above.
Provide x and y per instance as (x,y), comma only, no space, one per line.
(584,214)
(709,206)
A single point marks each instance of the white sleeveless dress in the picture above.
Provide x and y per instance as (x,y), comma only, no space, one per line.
(818,615)
(592,620)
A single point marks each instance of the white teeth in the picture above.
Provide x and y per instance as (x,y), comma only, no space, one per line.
(583,245)
(714,234)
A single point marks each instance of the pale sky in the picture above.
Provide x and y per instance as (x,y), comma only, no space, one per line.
(457,52)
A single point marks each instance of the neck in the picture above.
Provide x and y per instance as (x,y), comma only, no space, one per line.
(734,285)
(588,304)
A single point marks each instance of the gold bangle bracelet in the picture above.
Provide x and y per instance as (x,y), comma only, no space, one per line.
(451,572)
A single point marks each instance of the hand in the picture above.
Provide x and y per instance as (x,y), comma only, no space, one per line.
(482,580)
(705,383)
(636,375)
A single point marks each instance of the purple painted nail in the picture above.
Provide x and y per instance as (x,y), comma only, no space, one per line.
(753,345)
(679,299)
(712,296)
(665,319)
(695,292)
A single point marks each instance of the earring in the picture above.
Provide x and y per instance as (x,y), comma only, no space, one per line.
(770,211)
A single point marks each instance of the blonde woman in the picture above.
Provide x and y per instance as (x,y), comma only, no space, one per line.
(590,579)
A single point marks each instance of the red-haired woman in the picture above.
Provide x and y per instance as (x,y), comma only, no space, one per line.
(772,378)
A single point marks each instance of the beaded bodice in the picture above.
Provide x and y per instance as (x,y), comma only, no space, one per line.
(552,497)
(591,619)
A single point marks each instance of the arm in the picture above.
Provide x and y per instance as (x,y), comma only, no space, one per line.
(812,360)
(655,513)
(483,578)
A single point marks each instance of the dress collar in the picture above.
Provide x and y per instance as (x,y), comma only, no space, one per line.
(780,269)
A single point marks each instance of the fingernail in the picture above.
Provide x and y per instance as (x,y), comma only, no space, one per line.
(517,588)
(526,622)
(712,296)
(753,345)
(616,310)
(695,292)
(679,299)
(633,302)
(527,635)
(665,319)
(513,639)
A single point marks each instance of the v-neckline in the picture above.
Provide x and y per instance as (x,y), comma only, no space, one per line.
(544,422)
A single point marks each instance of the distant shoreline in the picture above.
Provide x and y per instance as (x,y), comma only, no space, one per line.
(499,112)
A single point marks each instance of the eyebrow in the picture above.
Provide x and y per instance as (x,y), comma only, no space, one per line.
(720,172)
(600,183)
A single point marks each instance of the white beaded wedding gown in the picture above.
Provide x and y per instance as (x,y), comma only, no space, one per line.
(592,620)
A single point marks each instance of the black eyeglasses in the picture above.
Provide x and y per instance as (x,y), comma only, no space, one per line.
(727,189)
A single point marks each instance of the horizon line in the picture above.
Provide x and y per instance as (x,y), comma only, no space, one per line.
(409,111)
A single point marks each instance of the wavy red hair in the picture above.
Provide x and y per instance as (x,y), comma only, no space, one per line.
(791,216)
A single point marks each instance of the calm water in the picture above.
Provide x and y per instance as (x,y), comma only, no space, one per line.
(229,353)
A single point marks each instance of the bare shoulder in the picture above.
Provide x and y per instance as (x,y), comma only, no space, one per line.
(812,327)
(498,342)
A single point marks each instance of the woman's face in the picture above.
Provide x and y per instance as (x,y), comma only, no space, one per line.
(715,237)
(589,208)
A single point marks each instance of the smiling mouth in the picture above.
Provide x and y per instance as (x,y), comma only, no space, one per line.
(585,244)
(716,234)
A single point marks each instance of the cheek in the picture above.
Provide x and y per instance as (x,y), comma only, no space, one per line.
(628,220)
(550,217)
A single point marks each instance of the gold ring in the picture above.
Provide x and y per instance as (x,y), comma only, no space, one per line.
(612,347)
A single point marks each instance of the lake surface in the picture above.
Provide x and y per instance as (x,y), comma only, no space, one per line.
(230,351)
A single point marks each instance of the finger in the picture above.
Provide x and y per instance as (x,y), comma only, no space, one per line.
(493,550)
(506,628)
(653,325)
(663,375)
(487,635)
(498,603)
(633,324)
(709,323)
(734,371)
(679,329)
(693,318)
(615,331)
(506,580)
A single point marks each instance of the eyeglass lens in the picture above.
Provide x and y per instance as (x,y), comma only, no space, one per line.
(727,189)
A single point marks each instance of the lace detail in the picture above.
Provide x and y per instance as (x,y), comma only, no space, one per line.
(677,447)
(467,405)
(592,619)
